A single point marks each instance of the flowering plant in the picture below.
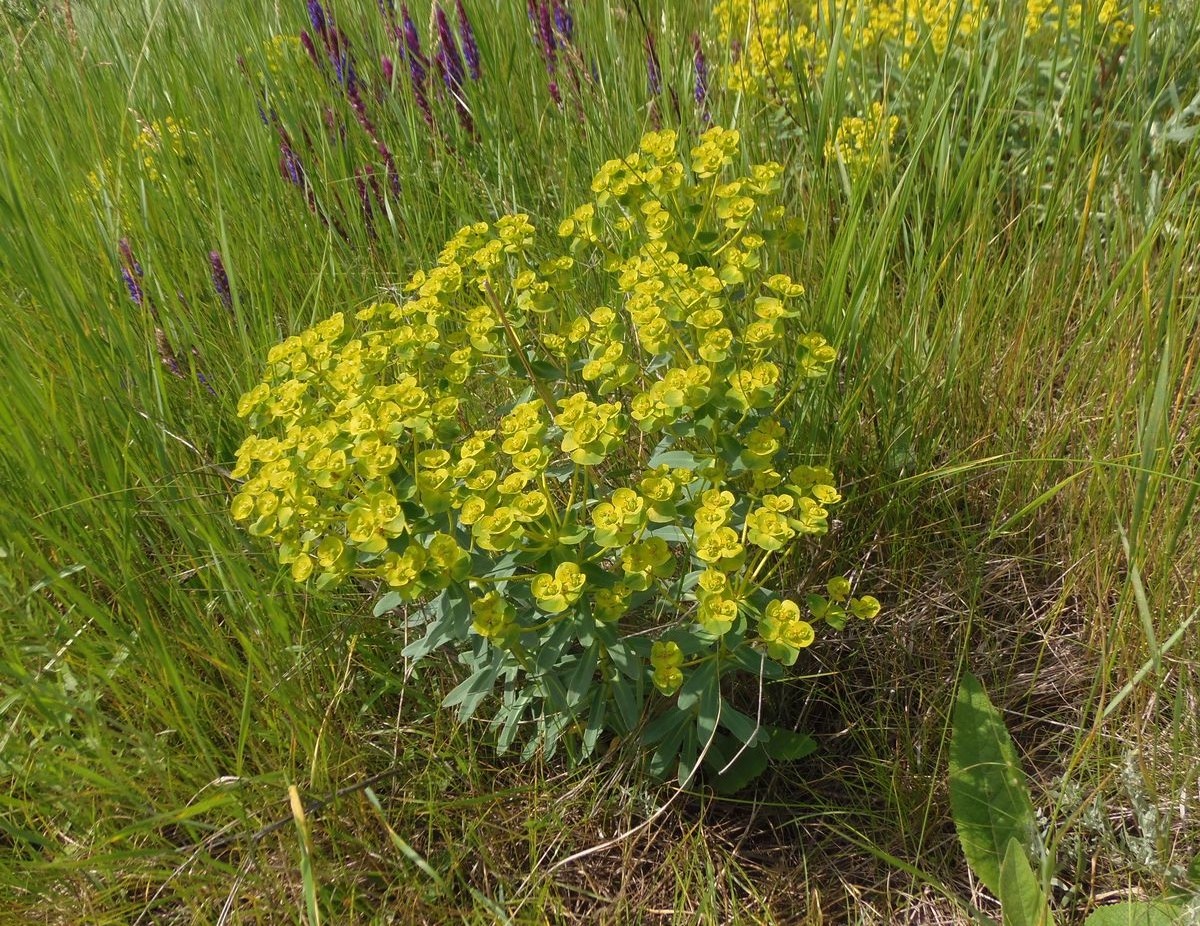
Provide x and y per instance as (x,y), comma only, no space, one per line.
(574,467)
(885,54)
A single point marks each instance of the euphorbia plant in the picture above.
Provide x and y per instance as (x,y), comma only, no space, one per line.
(571,462)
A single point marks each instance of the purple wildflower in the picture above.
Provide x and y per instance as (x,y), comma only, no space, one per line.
(412,41)
(307,42)
(393,174)
(418,64)
(220,279)
(564,22)
(289,164)
(131,271)
(547,44)
(448,55)
(364,200)
(316,16)
(700,68)
(127,256)
(134,287)
(369,174)
(546,35)
(653,71)
(360,109)
(338,48)
(469,45)
(450,64)
(389,69)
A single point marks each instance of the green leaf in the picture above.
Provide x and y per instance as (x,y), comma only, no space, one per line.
(469,693)
(1194,870)
(708,711)
(748,658)
(668,749)
(545,371)
(388,602)
(696,683)
(788,745)
(744,729)
(1137,913)
(689,755)
(509,717)
(989,797)
(595,724)
(451,621)
(1022,902)
(583,674)
(551,648)
(624,658)
(676,459)
(662,726)
(747,764)
(628,696)
(671,533)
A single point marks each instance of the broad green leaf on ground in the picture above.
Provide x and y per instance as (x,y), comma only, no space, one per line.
(1137,913)
(1022,901)
(989,797)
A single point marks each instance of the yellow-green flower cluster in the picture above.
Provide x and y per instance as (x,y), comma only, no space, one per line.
(156,143)
(1112,18)
(784,631)
(665,659)
(783,42)
(496,430)
(862,142)
(779,47)
(156,137)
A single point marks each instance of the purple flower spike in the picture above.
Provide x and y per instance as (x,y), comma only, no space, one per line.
(448,55)
(418,64)
(309,47)
(546,35)
(564,22)
(220,279)
(700,67)
(339,56)
(131,271)
(389,69)
(316,16)
(134,287)
(450,63)
(469,45)
(360,110)
(364,200)
(127,256)
(412,41)
(653,72)
(289,164)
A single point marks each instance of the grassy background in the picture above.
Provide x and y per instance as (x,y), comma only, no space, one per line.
(1015,419)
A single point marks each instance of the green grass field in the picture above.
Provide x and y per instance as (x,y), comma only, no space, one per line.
(186,735)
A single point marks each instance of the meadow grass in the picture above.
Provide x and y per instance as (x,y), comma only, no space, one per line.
(187,736)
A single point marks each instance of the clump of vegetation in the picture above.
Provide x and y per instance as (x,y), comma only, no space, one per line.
(617,515)
(881,58)
(993,215)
